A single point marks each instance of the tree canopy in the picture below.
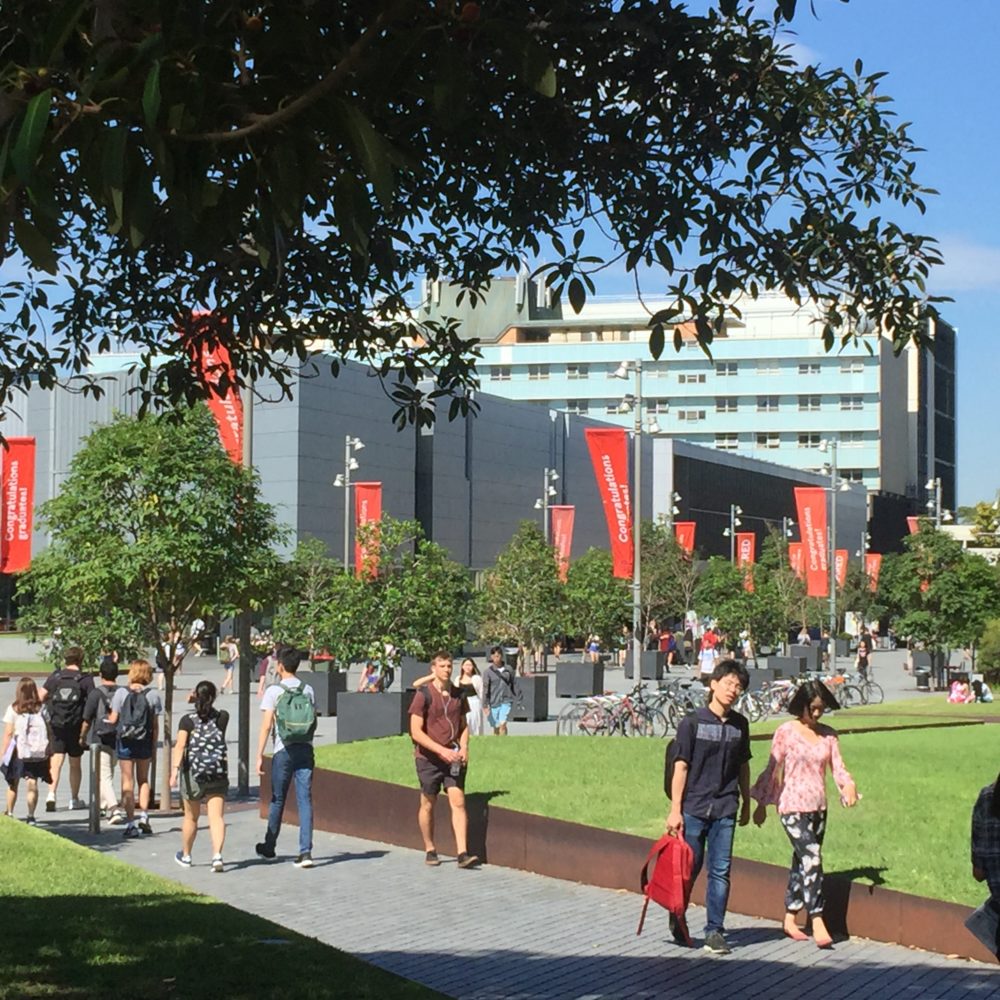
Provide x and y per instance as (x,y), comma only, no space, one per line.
(298,166)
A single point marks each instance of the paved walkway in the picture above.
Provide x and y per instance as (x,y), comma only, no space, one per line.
(494,932)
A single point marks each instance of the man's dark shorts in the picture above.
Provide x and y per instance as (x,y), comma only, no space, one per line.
(67,741)
(433,774)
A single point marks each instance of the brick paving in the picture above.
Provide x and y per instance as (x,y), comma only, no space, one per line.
(496,933)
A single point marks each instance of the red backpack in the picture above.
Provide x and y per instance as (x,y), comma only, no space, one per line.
(670,883)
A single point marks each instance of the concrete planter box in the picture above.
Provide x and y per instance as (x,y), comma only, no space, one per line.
(790,666)
(652,664)
(532,701)
(370,716)
(576,680)
(327,685)
(386,813)
(764,675)
(812,655)
(410,668)
(843,647)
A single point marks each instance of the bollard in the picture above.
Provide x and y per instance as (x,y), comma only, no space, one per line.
(94,824)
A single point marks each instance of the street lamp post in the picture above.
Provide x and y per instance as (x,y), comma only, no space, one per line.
(830,445)
(934,504)
(343,480)
(542,503)
(734,522)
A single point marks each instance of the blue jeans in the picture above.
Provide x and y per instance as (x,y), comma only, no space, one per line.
(293,762)
(718,834)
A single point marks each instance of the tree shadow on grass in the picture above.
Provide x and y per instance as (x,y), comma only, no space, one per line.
(170,945)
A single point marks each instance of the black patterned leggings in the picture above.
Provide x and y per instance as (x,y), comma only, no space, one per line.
(805,880)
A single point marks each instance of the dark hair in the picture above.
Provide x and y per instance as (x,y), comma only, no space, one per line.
(73,656)
(289,659)
(977,687)
(204,699)
(26,699)
(807,692)
(109,669)
(995,802)
(495,649)
(468,659)
(441,655)
(726,667)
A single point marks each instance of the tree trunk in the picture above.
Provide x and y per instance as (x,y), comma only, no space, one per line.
(168,712)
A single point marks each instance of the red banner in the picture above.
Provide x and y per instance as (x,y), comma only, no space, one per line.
(913,523)
(18,487)
(367,507)
(684,533)
(840,557)
(810,502)
(609,454)
(795,559)
(873,564)
(746,551)
(212,363)
(562,536)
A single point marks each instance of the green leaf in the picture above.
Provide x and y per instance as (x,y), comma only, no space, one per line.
(151,96)
(656,341)
(29,139)
(35,246)
(546,84)
(61,27)
(577,294)
(372,149)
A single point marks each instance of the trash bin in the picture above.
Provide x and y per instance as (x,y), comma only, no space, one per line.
(923,676)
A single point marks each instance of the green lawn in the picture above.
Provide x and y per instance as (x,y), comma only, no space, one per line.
(910,832)
(80,925)
(15,668)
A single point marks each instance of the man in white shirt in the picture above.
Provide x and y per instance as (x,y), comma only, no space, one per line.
(289,711)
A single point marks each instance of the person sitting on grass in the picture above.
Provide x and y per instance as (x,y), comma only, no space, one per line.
(441,749)
(960,693)
(26,749)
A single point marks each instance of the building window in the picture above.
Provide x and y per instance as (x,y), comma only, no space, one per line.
(852,439)
(725,369)
(767,404)
(769,440)
(613,409)
(537,373)
(852,367)
(768,368)
(691,378)
(809,440)
(656,369)
(852,403)
(725,404)
(727,442)
(810,368)
(658,405)
(578,371)
(500,373)
(579,406)
(691,415)
(808,404)
(852,475)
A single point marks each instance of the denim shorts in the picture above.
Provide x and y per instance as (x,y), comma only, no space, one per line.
(499,714)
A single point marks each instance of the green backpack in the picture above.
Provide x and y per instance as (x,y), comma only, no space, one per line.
(295,716)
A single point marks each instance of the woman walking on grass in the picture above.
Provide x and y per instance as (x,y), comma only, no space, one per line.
(795,781)
(201,772)
(27,746)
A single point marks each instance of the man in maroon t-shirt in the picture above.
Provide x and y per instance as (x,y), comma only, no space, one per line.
(441,747)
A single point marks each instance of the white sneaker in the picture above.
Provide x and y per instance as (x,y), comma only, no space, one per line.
(77,804)
(217,864)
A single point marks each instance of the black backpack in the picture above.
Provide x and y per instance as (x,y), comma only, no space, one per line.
(66,701)
(105,731)
(206,757)
(133,719)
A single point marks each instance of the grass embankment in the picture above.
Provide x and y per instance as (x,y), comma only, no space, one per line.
(80,925)
(910,832)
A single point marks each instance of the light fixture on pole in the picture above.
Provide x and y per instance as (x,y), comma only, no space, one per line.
(734,522)
(343,481)
(548,491)
(786,527)
(934,504)
(865,541)
(633,401)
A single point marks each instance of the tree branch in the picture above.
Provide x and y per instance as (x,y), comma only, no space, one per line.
(329,83)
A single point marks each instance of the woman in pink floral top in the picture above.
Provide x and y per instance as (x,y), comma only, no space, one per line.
(795,781)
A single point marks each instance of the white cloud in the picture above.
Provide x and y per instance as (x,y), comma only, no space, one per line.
(801,53)
(968,266)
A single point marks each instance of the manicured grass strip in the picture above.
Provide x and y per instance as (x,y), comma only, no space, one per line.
(77,924)
(910,832)
(15,668)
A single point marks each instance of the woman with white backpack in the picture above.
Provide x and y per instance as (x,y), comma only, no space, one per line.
(27,746)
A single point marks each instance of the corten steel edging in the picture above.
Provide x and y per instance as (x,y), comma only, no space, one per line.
(384,812)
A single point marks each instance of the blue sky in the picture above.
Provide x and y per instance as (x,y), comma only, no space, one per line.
(942,59)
